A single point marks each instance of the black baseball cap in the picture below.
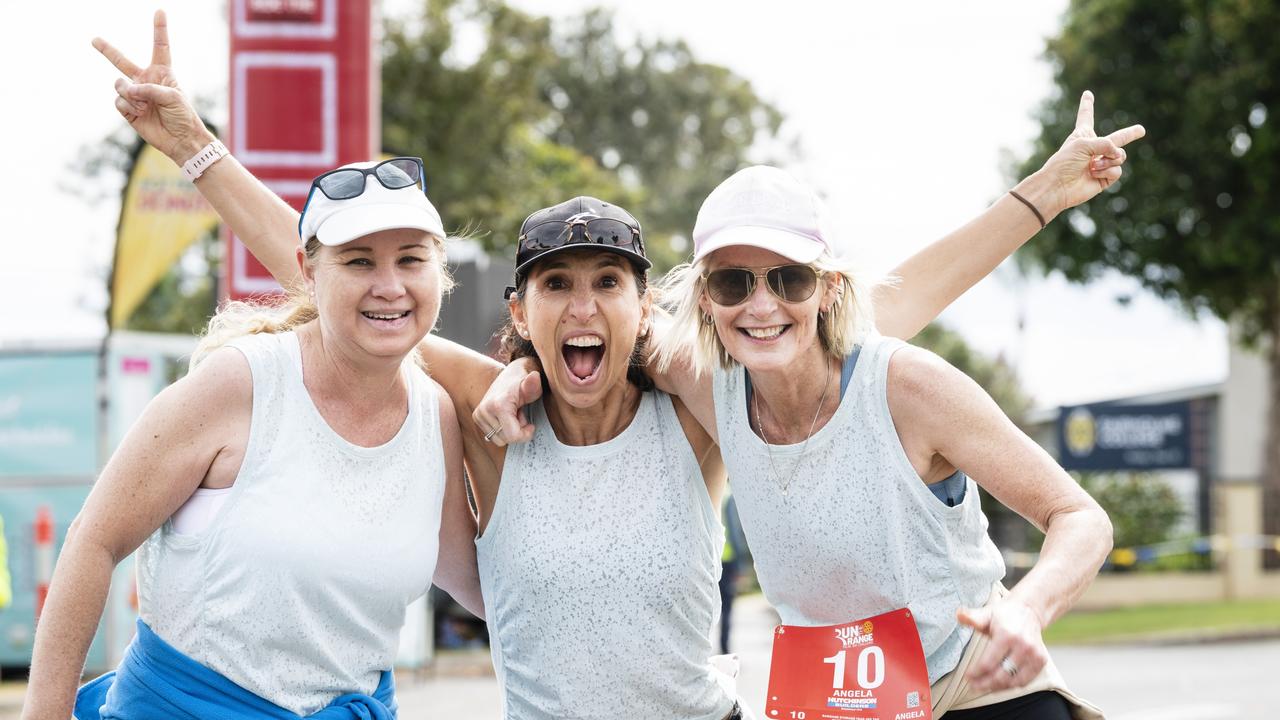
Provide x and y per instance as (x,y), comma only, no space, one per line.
(580,223)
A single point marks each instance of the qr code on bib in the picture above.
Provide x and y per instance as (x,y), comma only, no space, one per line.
(913,699)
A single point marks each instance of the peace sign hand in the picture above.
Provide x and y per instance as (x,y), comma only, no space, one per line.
(151,102)
(1086,164)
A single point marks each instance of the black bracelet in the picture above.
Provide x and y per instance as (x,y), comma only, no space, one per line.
(1027,202)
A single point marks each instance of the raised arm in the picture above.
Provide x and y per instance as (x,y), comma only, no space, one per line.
(933,278)
(150,100)
(159,464)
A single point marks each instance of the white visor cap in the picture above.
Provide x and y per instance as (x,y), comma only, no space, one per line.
(337,222)
(764,207)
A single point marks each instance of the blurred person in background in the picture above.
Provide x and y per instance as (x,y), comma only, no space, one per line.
(731,560)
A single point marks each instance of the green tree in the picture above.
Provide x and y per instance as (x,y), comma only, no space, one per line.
(1197,224)
(1143,508)
(535,115)
(476,123)
(542,113)
(672,127)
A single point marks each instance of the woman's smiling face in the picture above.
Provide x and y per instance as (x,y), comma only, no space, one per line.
(379,293)
(765,333)
(583,311)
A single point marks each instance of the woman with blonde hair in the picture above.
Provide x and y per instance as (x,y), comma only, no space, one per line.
(288,498)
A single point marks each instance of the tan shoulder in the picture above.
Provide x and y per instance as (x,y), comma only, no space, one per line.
(920,381)
(221,382)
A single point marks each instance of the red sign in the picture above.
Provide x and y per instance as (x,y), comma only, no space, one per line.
(872,669)
(304,99)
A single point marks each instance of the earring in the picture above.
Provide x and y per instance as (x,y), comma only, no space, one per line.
(707,320)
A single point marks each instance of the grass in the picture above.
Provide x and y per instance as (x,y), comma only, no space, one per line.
(1166,621)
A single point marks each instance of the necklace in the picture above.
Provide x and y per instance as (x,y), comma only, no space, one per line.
(777,476)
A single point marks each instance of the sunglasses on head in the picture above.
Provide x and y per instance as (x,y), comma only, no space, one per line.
(789,283)
(348,183)
(597,231)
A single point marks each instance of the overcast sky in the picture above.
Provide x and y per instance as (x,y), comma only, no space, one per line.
(903,111)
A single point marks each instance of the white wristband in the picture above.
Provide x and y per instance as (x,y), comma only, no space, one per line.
(208,155)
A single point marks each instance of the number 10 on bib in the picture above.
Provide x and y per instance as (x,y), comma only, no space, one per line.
(872,669)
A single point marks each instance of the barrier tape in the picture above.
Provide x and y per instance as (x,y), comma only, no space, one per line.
(1131,556)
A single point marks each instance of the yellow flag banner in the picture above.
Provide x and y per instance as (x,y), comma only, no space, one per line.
(161,216)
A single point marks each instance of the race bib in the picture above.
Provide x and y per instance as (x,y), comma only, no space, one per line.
(870,669)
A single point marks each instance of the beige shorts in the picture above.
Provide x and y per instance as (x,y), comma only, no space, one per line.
(952,691)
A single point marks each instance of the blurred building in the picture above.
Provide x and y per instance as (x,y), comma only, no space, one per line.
(1208,443)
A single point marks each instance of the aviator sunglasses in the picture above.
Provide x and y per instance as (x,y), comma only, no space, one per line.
(789,283)
(348,183)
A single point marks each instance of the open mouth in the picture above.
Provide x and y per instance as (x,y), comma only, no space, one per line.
(387,320)
(765,334)
(582,357)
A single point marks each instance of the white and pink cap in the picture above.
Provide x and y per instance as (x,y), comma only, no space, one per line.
(763,207)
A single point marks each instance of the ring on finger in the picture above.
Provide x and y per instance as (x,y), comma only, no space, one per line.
(489,436)
(1009,666)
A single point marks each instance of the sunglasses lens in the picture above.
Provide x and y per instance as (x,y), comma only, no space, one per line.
(792,283)
(342,184)
(607,231)
(398,173)
(729,286)
(546,236)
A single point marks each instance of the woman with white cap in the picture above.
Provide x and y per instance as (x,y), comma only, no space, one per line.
(854,456)
(288,498)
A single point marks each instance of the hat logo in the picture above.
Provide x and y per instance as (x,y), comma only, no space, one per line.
(759,202)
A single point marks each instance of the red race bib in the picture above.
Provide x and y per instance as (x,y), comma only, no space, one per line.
(870,669)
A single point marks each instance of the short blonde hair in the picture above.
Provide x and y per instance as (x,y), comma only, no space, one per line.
(692,342)
(238,318)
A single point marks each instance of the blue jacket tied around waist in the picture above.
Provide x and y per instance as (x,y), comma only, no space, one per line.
(155,681)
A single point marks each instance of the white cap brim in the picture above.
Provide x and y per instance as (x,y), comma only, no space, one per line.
(357,221)
(792,246)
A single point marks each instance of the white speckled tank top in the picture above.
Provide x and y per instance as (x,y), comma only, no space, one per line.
(297,589)
(599,570)
(857,533)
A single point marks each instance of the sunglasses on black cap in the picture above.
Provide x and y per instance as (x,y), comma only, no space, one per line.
(552,234)
(548,235)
